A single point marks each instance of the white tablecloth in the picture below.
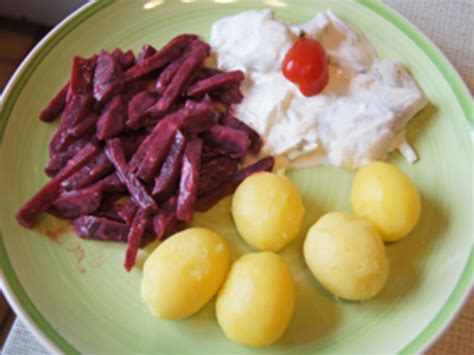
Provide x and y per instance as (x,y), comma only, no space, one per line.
(450,25)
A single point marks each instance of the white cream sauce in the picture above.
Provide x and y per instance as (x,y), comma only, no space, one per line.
(360,115)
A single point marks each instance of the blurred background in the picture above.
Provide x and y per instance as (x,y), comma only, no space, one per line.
(22,24)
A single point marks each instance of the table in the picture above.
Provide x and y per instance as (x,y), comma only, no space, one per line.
(449,24)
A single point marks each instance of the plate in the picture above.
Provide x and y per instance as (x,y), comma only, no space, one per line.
(76,295)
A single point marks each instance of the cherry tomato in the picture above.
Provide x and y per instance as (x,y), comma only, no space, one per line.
(306,66)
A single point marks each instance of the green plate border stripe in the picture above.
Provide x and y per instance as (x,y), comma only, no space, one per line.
(465,282)
(25,72)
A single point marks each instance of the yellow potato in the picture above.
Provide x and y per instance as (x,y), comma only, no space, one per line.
(385,196)
(347,256)
(267,210)
(256,303)
(184,272)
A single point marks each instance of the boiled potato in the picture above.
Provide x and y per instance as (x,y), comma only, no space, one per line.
(256,303)
(385,196)
(267,210)
(347,256)
(184,272)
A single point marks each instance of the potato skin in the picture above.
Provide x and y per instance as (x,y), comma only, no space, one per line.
(347,256)
(256,303)
(184,272)
(268,211)
(385,196)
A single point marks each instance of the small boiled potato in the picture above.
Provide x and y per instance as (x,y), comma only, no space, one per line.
(347,256)
(267,210)
(184,272)
(256,303)
(385,196)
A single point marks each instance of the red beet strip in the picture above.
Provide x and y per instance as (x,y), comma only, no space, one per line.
(161,58)
(164,219)
(255,140)
(188,184)
(114,151)
(41,201)
(228,141)
(56,105)
(81,75)
(207,201)
(168,178)
(100,228)
(197,54)
(216,81)
(137,229)
(112,119)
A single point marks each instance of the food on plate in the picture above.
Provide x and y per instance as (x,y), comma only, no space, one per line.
(184,272)
(358,117)
(385,196)
(256,303)
(306,66)
(157,129)
(347,256)
(267,210)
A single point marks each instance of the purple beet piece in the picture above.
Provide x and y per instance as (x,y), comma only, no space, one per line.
(60,159)
(112,184)
(161,58)
(76,109)
(126,60)
(96,168)
(146,51)
(132,88)
(255,140)
(175,227)
(72,204)
(137,229)
(157,151)
(208,153)
(189,181)
(41,201)
(228,141)
(115,153)
(216,81)
(137,109)
(164,218)
(110,212)
(183,117)
(131,142)
(100,228)
(168,179)
(108,77)
(56,105)
(112,119)
(84,126)
(229,95)
(202,117)
(215,172)
(206,201)
(204,73)
(197,54)
(81,75)
(127,211)
(167,74)
(264,164)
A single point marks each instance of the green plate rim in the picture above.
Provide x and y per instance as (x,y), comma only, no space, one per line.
(51,338)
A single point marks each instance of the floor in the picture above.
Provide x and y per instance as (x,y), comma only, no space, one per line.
(17,38)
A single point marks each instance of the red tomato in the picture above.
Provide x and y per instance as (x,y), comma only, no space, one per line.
(306,66)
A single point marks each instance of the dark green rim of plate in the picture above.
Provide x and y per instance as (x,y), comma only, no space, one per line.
(51,336)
